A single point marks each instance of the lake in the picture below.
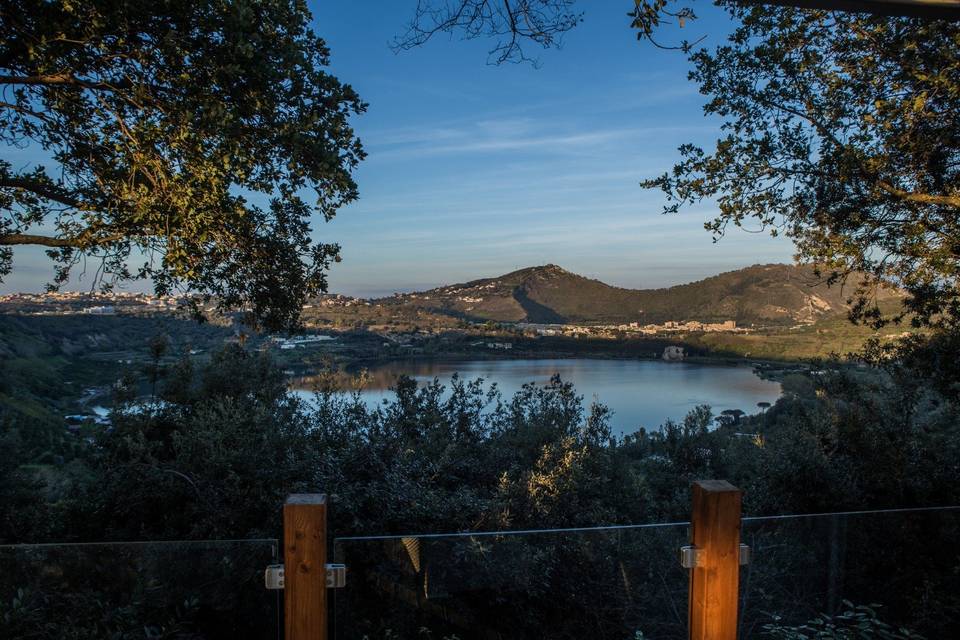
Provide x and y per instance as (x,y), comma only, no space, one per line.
(640,392)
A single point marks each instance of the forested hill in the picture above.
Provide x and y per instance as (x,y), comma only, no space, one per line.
(772,294)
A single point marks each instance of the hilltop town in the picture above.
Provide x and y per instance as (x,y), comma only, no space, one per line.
(93,303)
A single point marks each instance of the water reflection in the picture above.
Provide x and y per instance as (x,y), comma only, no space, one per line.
(640,392)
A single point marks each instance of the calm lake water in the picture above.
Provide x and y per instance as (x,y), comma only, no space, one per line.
(640,392)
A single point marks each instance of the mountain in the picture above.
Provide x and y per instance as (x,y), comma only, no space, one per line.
(772,294)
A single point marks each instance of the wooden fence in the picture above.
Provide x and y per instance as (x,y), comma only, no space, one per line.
(713,557)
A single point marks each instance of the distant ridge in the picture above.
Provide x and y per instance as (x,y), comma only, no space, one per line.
(770,294)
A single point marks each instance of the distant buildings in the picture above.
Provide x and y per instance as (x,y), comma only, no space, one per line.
(62,303)
(688,326)
(621,330)
(295,342)
(101,310)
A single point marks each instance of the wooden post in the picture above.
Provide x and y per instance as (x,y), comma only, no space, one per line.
(305,567)
(714,582)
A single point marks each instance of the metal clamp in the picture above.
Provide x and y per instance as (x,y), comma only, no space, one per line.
(336,576)
(273,577)
(691,557)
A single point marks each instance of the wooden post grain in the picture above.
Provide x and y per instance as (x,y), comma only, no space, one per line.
(304,567)
(714,582)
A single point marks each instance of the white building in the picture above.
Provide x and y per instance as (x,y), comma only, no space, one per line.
(673,354)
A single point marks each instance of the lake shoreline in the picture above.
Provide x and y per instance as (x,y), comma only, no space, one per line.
(356,365)
(640,392)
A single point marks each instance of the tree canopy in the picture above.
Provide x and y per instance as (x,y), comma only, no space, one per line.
(840,130)
(184,139)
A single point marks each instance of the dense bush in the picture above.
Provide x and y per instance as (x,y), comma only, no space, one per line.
(219,448)
(853,624)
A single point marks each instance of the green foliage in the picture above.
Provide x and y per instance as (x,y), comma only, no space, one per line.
(918,360)
(167,125)
(215,455)
(856,623)
(212,457)
(21,491)
(841,132)
(136,591)
(852,438)
(88,615)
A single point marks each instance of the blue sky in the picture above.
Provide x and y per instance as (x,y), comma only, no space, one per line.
(476,170)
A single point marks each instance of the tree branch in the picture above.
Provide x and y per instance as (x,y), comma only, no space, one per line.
(922,198)
(46,191)
(25,111)
(64,79)
(10,239)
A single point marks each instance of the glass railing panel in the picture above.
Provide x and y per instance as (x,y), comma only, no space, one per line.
(905,564)
(613,582)
(186,589)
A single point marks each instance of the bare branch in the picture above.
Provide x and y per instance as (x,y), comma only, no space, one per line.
(509,22)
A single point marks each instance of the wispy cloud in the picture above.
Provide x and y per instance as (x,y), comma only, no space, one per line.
(512,134)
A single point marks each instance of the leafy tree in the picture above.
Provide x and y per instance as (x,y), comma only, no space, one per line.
(216,459)
(184,133)
(842,132)
(157,347)
(18,490)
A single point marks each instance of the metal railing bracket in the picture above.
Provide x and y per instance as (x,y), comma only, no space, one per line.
(336,576)
(691,557)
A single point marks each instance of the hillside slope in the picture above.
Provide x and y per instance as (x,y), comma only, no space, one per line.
(772,295)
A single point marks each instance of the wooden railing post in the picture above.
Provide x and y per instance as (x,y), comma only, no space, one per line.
(714,580)
(304,567)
